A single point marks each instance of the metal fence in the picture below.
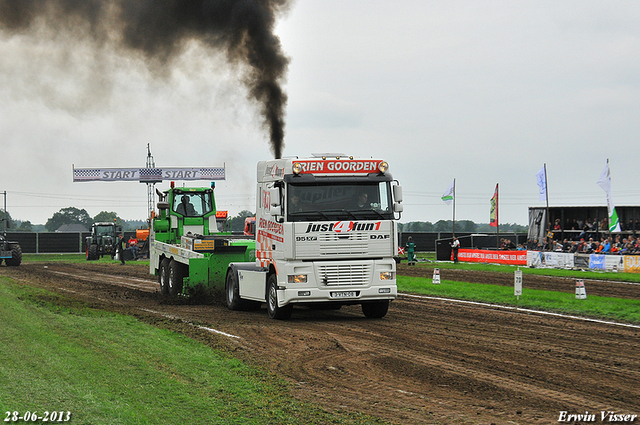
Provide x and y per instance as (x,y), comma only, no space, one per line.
(53,243)
(71,242)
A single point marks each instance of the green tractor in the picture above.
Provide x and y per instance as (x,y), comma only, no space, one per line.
(10,252)
(103,240)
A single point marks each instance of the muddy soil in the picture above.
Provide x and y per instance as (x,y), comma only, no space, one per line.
(427,362)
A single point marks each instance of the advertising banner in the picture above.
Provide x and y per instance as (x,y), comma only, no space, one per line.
(632,263)
(596,261)
(620,263)
(518,258)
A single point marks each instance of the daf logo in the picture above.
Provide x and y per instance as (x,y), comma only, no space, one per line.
(379,236)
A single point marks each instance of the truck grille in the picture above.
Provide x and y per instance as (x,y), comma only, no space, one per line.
(353,244)
(344,274)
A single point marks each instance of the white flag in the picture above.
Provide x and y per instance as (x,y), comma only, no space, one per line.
(541,177)
(449,194)
(605,183)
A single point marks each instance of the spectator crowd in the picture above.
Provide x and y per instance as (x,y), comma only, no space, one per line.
(589,237)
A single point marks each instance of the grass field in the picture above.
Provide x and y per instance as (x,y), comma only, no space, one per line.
(58,355)
(595,307)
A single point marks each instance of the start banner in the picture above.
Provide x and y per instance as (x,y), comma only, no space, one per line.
(147,175)
(516,258)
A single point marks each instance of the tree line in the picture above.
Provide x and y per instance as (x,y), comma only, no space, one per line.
(463,226)
(72,215)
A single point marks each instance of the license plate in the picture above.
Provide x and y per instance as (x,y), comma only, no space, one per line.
(343,294)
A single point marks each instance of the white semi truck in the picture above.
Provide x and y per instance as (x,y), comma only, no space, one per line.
(326,236)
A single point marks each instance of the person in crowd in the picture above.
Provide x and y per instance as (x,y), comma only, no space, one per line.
(597,247)
(120,248)
(455,245)
(557,229)
(410,247)
(607,246)
(133,246)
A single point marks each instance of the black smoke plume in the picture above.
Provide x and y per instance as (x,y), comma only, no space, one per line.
(161,29)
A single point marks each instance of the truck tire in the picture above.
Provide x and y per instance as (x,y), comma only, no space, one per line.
(232,291)
(16,256)
(176,276)
(275,312)
(92,252)
(163,276)
(375,309)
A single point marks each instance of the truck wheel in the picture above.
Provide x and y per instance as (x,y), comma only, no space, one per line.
(232,291)
(92,252)
(163,276)
(16,256)
(375,309)
(176,275)
(275,312)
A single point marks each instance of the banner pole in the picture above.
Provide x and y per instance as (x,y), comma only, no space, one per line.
(453,223)
(497,217)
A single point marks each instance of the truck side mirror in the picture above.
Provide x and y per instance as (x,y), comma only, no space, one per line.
(398,207)
(274,196)
(397,193)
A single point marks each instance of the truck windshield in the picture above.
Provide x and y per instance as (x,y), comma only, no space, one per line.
(329,202)
(192,204)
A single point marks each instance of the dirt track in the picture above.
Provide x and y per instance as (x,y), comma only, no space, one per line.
(427,361)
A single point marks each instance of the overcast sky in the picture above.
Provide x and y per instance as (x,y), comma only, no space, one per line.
(483,92)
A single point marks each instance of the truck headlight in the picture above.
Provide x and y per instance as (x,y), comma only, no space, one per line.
(297,167)
(387,275)
(383,167)
(297,278)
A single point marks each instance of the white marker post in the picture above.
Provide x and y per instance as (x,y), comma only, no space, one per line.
(436,276)
(517,283)
(581,291)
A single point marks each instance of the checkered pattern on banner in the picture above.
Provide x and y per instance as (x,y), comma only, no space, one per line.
(151,174)
(212,173)
(86,174)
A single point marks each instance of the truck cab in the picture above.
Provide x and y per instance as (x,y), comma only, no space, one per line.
(326,234)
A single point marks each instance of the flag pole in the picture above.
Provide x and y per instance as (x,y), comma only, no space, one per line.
(453,223)
(497,218)
(546,195)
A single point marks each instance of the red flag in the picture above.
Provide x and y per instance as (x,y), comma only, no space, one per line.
(493,216)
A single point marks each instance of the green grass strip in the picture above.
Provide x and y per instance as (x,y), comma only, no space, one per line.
(626,310)
(503,268)
(74,258)
(57,354)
